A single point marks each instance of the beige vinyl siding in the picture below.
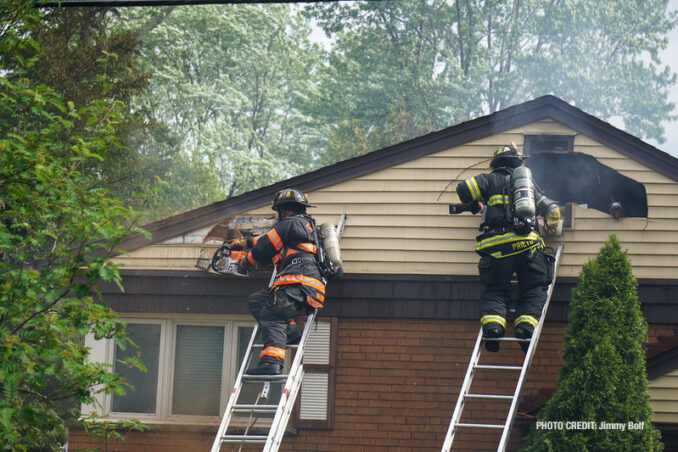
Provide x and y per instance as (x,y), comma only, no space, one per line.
(664,397)
(398,219)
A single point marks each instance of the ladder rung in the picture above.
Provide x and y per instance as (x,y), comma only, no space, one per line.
(496,367)
(235,439)
(489,396)
(287,346)
(479,425)
(271,378)
(256,408)
(473,364)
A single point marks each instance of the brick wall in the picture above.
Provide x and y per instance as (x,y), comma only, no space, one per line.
(396,385)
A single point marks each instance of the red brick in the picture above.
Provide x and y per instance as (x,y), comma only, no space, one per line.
(396,385)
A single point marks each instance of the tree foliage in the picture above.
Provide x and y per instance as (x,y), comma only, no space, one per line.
(448,61)
(57,230)
(604,378)
(86,54)
(234,81)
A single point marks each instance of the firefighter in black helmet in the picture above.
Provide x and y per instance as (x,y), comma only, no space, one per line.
(298,285)
(506,248)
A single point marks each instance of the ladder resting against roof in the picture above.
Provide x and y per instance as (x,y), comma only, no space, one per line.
(261,408)
(474,366)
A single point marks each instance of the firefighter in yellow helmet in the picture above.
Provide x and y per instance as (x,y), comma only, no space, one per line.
(510,244)
(299,285)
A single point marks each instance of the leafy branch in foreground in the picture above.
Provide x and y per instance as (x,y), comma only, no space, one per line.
(57,233)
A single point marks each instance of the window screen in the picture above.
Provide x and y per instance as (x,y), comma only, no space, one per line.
(143,398)
(197,370)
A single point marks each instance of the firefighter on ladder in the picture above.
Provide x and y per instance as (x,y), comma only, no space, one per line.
(298,284)
(510,244)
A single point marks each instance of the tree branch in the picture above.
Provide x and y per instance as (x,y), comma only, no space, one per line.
(157,20)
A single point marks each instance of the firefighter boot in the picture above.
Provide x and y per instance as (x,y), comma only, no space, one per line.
(489,332)
(524,331)
(266,366)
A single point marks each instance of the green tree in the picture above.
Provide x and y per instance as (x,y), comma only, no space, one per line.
(449,61)
(234,82)
(87,54)
(604,377)
(57,231)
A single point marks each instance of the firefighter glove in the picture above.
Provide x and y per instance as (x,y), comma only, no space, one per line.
(475,207)
(553,217)
(239,244)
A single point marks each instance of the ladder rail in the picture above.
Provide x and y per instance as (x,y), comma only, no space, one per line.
(524,369)
(503,442)
(289,392)
(465,387)
(235,392)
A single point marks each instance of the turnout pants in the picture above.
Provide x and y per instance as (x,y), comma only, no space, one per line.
(534,270)
(275,311)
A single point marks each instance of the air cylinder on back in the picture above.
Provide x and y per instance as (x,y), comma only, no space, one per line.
(523,193)
(330,243)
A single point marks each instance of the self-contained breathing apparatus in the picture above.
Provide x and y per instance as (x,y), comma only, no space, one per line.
(518,197)
(521,201)
(329,252)
(225,259)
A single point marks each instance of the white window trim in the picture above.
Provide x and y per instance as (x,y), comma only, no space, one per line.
(104,351)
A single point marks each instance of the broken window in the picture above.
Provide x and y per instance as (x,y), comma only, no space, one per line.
(580,178)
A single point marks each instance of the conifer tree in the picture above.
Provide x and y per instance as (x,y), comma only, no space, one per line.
(604,379)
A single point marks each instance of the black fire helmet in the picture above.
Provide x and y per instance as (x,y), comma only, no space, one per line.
(506,157)
(290,199)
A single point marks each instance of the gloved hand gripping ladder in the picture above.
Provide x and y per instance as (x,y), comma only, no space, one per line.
(473,365)
(283,410)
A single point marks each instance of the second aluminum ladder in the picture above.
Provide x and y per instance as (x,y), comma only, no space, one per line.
(474,365)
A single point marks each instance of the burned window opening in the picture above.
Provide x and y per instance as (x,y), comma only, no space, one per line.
(580,178)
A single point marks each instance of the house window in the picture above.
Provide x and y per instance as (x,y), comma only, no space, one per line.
(190,362)
(198,365)
(192,365)
(147,338)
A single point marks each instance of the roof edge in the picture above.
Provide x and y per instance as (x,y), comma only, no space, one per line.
(545,107)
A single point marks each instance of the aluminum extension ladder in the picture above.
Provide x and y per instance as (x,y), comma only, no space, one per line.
(292,381)
(473,365)
(288,396)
